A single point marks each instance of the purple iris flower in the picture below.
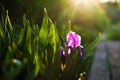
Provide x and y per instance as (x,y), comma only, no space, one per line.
(73,41)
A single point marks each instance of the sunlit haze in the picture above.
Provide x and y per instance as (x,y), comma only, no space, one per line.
(84,3)
(104,1)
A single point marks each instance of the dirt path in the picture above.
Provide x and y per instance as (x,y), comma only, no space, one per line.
(106,64)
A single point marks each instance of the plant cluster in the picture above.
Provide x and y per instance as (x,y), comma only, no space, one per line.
(33,53)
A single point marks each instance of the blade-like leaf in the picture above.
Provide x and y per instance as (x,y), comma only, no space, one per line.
(25,36)
(44,28)
(93,44)
(52,35)
(39,66)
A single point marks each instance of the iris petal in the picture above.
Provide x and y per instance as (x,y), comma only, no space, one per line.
(78,41)
(69,51)
(82,52)
(63,56)
(73,39)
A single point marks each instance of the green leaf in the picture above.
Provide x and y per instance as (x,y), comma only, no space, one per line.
(9,28)
(9,22)
(49,55)
(21,35)
(39,66)
(1,32)
(52,38)
(9,57)
(25,36)
(93,44)
(52,35)
(44,28)
(28,38)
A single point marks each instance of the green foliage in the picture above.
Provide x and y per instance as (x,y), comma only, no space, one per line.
(113,32)
(33,52)
(45,28)
(93,44)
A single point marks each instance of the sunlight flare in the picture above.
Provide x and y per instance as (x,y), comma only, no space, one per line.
(84,3)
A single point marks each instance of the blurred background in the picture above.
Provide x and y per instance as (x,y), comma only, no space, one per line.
(86,17)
